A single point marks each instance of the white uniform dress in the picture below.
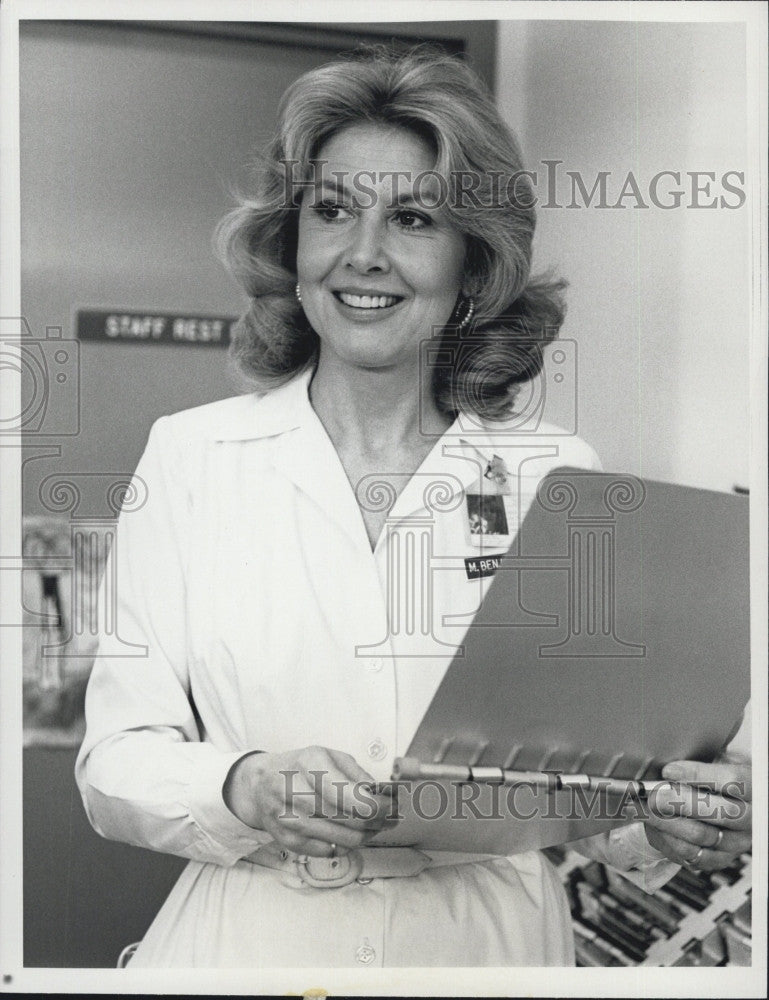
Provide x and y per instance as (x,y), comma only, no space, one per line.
(259,615)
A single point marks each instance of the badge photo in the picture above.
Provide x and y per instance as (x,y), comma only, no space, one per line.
(487,520)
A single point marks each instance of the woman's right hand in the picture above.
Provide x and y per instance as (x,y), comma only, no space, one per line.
(312,801)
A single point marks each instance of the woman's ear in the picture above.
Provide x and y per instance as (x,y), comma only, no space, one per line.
(469,287)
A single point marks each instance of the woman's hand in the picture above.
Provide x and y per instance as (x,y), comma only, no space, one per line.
(703,821)
(313,801)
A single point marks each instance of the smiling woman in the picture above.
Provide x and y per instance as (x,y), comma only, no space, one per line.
(281,575)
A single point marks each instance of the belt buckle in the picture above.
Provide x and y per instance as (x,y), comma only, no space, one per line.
(329,873)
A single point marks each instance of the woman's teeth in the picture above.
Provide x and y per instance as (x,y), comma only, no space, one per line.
(367,301)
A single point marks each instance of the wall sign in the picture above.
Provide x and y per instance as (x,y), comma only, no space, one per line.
(125,327)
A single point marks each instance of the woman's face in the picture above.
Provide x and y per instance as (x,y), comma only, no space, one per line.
(379,268)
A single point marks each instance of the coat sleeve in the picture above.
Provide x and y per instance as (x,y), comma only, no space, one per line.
(144,774)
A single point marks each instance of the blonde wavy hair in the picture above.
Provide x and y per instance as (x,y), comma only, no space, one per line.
(440,99)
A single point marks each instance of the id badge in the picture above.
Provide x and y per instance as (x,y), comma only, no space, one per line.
(487,508)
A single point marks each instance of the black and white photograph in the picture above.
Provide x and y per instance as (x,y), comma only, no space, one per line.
(486,514)
(383,543)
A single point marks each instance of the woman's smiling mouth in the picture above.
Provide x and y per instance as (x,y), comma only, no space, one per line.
(356,301)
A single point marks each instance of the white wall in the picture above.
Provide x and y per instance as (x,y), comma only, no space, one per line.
(658,302)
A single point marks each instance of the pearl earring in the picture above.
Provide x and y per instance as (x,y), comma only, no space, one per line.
(298,293)
(469,314)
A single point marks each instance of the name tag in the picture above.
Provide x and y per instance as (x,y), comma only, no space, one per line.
(478,566)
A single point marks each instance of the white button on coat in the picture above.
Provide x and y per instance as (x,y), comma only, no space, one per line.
(377,749)
(365,954)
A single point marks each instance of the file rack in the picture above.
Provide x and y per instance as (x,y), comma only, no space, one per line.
(696,919)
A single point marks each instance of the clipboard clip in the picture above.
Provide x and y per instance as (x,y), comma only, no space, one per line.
(411,769)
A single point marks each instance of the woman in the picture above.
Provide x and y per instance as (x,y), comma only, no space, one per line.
(392,316)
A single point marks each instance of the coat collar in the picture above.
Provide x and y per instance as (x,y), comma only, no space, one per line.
(300,448)
(275,412)
(288,408)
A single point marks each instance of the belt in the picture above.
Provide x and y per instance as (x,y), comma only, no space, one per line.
(361,865)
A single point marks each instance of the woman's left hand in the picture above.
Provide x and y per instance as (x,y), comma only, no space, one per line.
(703,820)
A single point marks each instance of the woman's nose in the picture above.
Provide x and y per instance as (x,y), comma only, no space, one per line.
(367,251)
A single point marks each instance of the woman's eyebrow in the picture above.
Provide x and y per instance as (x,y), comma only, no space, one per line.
(408,198)
(335,186)
(426,199)
(395,197)
(405,198)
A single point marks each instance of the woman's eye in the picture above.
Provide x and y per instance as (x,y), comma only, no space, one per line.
(412,220)
(331,212)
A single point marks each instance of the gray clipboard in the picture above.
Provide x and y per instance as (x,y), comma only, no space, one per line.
(614,638)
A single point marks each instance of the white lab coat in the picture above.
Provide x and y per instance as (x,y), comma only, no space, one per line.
(248,585)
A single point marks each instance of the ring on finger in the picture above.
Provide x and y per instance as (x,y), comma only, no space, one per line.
(716,846)
(691,863)
(333,851)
